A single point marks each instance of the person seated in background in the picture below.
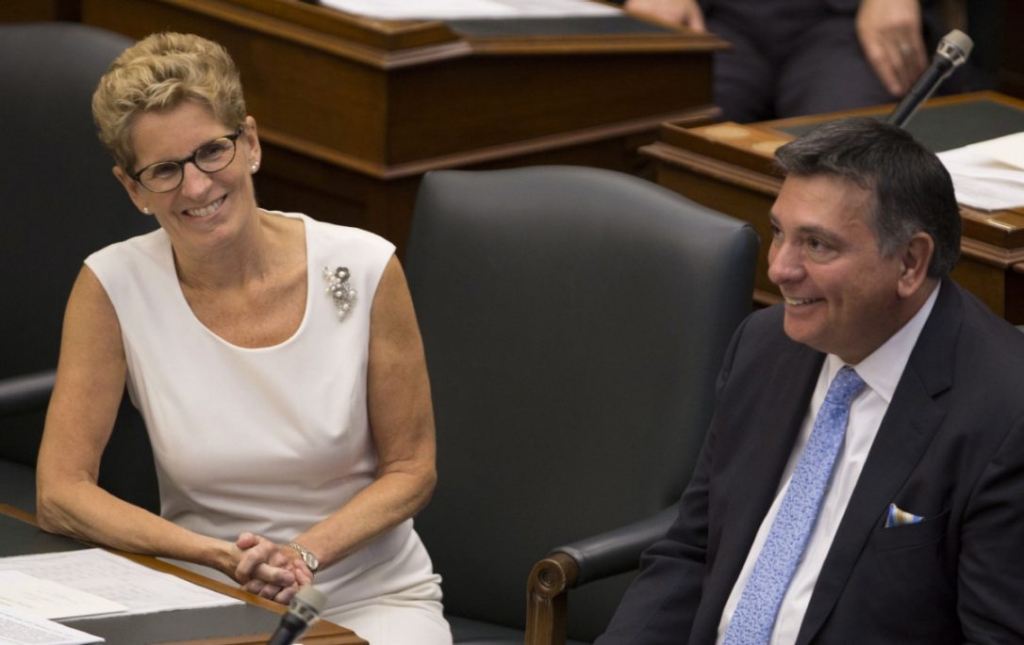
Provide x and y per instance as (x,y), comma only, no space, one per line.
(862,480)
(291,426)
(799,57)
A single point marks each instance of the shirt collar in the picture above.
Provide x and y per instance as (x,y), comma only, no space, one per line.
(883,368)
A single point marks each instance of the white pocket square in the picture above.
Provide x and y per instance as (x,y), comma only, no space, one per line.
(899,517)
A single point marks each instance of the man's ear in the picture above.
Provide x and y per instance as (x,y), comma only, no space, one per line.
(132,187)
(914,262)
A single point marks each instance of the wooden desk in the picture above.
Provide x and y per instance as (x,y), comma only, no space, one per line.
(728,167)
(249,624)
(353,111)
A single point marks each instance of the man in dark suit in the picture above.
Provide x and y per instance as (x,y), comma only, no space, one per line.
(919,536)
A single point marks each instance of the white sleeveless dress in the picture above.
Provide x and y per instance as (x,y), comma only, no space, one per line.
(272,440)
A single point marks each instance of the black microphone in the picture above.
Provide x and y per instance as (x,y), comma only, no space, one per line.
(951,53)
(303,611)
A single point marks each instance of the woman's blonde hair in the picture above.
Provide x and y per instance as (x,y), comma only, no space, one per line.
(159,73)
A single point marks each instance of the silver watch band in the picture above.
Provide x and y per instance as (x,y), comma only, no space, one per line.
(307,556)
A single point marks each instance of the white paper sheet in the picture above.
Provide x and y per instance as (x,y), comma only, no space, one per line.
(988,175)
(470,9)
(18,628)
(141,589)
(1008,150)
(48,599)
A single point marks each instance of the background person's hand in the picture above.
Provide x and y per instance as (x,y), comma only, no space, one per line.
(684,12)
(890,35)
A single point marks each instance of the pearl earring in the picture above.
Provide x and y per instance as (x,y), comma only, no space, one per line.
(255,167)
(145,209)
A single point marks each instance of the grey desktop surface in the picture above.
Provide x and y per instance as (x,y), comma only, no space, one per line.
(20,538)
(945,127)
(18,485)
(177,626)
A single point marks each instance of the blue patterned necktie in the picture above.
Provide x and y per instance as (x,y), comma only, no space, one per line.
(754,619)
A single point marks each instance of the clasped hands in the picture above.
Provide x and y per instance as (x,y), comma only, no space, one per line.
(270,570)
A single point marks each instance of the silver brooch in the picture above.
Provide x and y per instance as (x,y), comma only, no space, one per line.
(339,289)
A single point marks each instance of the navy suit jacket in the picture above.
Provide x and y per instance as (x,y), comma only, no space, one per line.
(950,448)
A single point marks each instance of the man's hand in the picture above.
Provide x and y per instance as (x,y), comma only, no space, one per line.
(684,12)
(890,35)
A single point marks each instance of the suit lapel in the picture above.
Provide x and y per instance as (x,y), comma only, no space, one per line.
(768,443)
(903,437)
(785,407)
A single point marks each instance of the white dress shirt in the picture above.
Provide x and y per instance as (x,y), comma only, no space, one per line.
(881,371)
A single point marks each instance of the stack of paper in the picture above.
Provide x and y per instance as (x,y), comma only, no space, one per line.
(29,606)
(140,589)
(988,175)
(36,590)
(470,9)
(47,599)
(19,627)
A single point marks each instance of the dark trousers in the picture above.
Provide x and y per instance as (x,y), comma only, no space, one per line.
(795,57)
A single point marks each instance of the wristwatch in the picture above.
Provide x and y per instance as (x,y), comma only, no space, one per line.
(307,556)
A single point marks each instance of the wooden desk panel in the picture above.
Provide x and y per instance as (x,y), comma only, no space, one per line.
(728,167)
(353,111)
(253,622)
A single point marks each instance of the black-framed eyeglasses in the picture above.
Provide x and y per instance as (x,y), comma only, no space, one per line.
(165,176)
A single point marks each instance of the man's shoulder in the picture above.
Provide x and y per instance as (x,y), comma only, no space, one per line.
(760,345)
(986,338)
(763,331)
(969,358)
(768,319)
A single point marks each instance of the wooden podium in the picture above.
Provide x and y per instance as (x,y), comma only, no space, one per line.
(729,167)
(352,111)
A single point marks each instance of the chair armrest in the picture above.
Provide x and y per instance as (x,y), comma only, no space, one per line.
(617,551)
(593,558)
(25,392)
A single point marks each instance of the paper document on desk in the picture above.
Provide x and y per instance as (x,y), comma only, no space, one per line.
(988,175)
(17,628)
(48,599)
(140,589)
(470,9)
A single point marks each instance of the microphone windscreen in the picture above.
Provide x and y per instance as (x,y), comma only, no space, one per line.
(309,600)
(303,611)
(960,40)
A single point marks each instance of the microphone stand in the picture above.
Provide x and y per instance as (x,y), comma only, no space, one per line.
(951,53)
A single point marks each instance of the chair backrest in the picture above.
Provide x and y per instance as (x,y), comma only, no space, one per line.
(574,321)
(60,198)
